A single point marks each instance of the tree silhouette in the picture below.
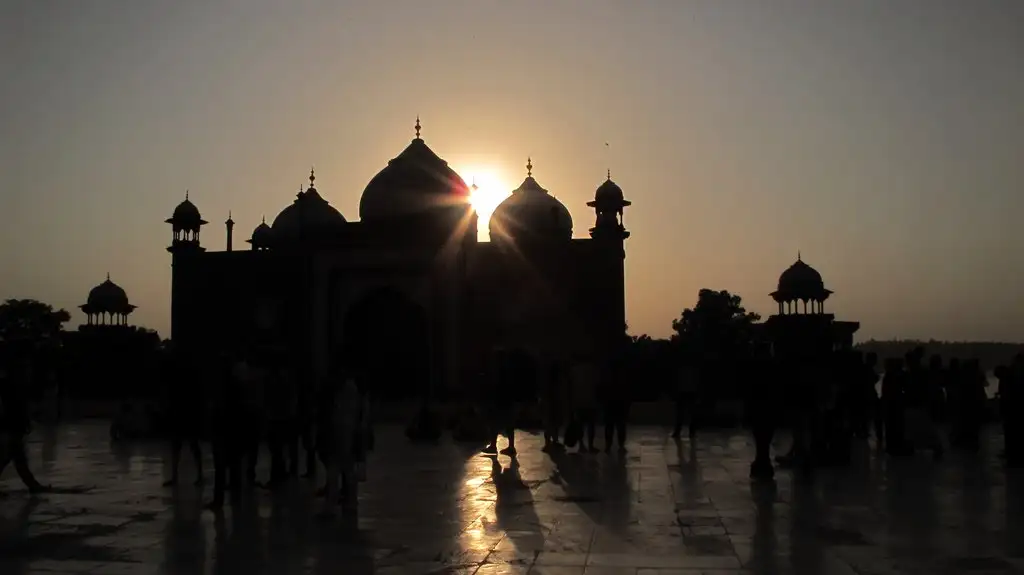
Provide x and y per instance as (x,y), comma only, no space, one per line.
(718,327)
(650,363)
(31,321)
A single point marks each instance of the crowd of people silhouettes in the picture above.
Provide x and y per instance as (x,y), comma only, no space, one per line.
(827,401)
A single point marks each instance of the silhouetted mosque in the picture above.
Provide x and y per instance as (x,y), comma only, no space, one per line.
(407,296)
(802,326)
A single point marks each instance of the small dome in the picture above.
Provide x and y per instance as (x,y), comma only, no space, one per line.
(609,197)
(261,236)
(530,212)
(608,192)
(186,216)
(801,282)
(108,297)
(307,213)
(414,182)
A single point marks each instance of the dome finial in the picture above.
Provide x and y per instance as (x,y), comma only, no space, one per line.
(108,276)
(608,159)
(312,176)
(529,167)
(186,195)
(417,126)
(798,256)
(263,220)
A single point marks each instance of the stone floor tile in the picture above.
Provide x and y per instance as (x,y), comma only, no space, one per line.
(674,561)
(562,559)
(688,572)
(556,570)
(502,569)
(127,569)
(602,570)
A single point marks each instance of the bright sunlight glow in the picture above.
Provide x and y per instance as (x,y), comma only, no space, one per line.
(490,191)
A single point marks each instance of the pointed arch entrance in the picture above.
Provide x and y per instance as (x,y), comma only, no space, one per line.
(386,341)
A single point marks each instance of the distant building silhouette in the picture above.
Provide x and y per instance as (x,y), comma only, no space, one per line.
(106,357)
(406,296)
(107,306)
(802,326)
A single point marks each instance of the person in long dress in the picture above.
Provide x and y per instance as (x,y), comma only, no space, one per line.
(344,402)
(585,379)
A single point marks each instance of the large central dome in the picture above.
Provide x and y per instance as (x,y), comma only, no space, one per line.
(414,182)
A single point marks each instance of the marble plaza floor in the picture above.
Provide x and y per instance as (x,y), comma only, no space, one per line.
(661,509)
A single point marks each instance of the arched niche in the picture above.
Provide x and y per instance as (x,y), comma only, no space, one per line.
(385,339)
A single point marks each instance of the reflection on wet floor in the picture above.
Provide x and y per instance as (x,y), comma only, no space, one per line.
(663,508)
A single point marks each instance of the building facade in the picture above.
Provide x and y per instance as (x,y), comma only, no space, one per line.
(406,295)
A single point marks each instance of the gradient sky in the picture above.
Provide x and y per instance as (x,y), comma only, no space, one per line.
(882,139)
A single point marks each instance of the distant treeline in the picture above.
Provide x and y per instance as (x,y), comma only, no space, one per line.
(989,353)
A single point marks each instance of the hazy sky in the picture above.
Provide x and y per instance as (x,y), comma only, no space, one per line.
(881,138)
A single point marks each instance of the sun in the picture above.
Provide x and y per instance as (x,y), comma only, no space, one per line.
(490,191)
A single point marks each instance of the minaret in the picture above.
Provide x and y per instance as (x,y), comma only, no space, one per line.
(609,204)
(609,235)
(230,225)
(185,225)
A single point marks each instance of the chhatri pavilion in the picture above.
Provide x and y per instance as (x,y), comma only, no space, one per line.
(802,327)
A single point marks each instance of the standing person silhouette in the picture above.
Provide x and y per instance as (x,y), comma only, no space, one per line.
(305,421)
(185,410)
(280,415)
(1011,400)
(685,397)
(894,390)
(972,402)
(227,419)
(805,392)
(616,398)
(868,391)
(253,390)
(585,379)
(762,387)
(553,403)
(504,399)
